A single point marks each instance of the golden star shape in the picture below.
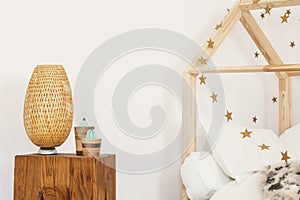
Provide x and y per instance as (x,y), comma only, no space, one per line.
(285,157)
(210,43)
(292,44)
(255,1)
(262,15)
(203,61)
(284,18)
(214,97)
(264,147)
(202,80)
(218,26)
(274,99)
(288,12)
(268,9)
(256,54)
(228,116)
(254,119)
(246,133)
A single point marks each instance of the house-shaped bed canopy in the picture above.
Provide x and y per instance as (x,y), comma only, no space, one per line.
(240,12)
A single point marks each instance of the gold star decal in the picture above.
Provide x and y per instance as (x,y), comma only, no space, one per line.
(246,133)
(218,26)
(202,80)
(262,15)
(256,54)
(288,12)
(292,44)
(254,119)
(268,9)
(274,99)
(228,116)
(264,147)
(214,97)
(285,157)
(210,43)
(284,18)
(203,61)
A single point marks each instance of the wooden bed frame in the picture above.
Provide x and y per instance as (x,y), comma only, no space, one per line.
(239,12)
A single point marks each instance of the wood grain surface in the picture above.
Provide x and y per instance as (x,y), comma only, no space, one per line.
(64,177)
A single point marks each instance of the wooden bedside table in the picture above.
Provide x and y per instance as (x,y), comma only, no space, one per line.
(64,177)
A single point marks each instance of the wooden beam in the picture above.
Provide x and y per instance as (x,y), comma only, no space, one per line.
(285,104)
(293,74)
(251,69)
(218,36)
(249,5)
(189,110)
(260,39)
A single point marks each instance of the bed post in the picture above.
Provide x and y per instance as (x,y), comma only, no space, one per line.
(189,77)
(285,104)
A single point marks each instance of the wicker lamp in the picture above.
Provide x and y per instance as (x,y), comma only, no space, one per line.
(48,108)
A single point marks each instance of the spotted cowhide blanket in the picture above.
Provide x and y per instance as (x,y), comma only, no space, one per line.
(282,182)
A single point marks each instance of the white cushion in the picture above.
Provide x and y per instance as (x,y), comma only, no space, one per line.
(291,137)
(239,157)
(202,176)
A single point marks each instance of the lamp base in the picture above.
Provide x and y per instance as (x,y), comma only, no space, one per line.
(47,151)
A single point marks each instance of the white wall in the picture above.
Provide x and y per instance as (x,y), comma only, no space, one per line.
(35,32)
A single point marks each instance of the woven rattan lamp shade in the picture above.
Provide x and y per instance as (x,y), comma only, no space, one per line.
(48,107)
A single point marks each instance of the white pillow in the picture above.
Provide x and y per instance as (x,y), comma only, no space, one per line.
(239,157)
(291,137)
(202,176)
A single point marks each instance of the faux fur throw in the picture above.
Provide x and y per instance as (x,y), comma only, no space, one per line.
(282,182)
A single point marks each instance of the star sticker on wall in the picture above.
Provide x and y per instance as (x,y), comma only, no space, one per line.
(284,18)
(203,61)
(228,116)
(292,44)
(254,119)
(262,15)
(210,43)
(246,133)
(218,26)
(264,147)
(285,157)
(214,97)
(268,9)
(274,99)
(202,80)
(288,12)
(256,54)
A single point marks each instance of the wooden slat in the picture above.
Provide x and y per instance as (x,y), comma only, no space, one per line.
(249,5)
(188,115)
(189,112)
(285,104)
(293,74)
(252,69)
(218,36)
(260,39)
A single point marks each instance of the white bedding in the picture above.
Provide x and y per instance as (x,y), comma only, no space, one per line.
(209,178)
(248,189)
(202,177)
